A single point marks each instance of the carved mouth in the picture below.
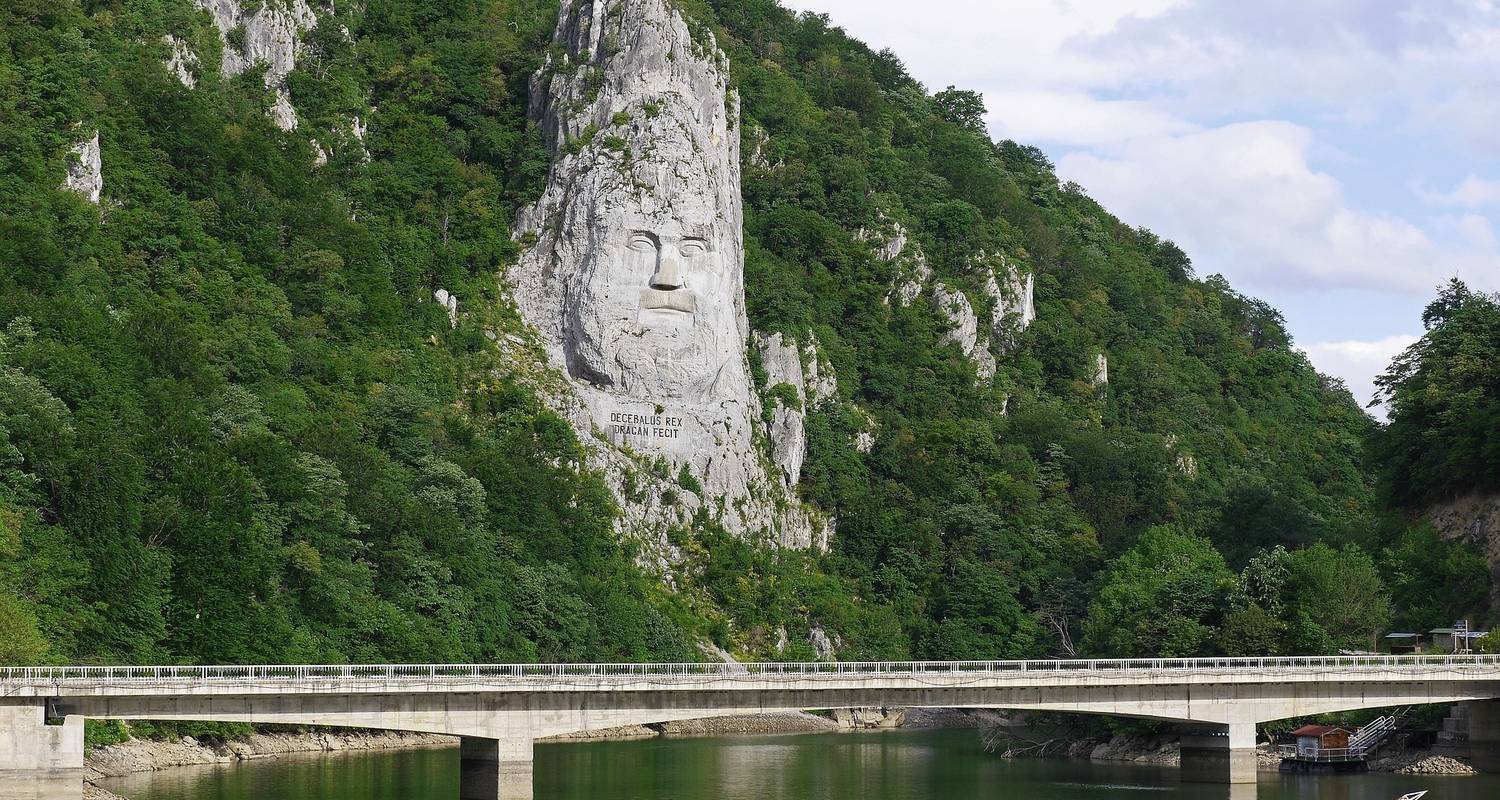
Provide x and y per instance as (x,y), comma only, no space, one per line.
(683,300)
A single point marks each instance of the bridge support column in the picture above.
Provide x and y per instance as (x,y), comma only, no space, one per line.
(494,769)
(1219,753)
(35,756)
(1484,734)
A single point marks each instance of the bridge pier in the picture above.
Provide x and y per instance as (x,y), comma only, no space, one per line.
(1484,734)
(1219,754)
(494,769)
(37,759)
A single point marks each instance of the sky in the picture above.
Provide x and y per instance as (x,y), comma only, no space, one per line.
(1337,158)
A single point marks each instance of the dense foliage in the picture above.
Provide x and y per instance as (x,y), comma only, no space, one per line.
(1444,398)
(235,427)
(1041,513)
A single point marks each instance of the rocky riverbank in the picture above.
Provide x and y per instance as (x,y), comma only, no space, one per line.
(1015,736)
(1420,762)
(1009,740)
(149,755)
(834,721)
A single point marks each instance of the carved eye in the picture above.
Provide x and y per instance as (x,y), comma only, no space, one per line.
(642,242)
(692,248)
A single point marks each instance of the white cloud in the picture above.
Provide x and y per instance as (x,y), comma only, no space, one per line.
(1271,139)
(1471,192)
(1358,362)
(1074,118)
(1426,66)
(1243,199)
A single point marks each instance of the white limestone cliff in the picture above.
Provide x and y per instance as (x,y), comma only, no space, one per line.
(1101,370)
(890,242)
(635,282)
(272,34)
(85,176)
(822,383)
(964,330)
(1186,464)
(1013,303)
(864,439)
(788,430)
(449,303)
(182,62)
(825,646)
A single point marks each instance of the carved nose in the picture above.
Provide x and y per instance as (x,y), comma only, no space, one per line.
(666,275)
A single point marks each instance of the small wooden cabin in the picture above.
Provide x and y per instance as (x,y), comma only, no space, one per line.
(1314,739)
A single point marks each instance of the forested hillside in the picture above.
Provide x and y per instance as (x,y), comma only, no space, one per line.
(234,426)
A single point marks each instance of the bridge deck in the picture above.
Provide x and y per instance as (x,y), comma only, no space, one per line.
(424,678)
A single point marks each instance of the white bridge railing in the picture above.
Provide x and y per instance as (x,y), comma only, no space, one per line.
(417,672)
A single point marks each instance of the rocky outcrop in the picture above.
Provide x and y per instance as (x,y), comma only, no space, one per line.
(777,722)
(270,32)
(757,142)
(825,646)
(85,176)
(890,242)
(1013,305)
(1473,518)
(1186,464)
(1101,370)
(181,61)
(605,734)
(822,384)
(449,303)
(1422,764)
(864,439)
(916,274)
(787,390)
(964,329)
(149,755)
(868,718)
(635,281)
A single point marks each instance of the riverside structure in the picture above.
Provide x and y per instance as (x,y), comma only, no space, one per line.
(497,710)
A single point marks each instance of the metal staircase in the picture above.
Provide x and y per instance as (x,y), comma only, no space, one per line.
(1373,735)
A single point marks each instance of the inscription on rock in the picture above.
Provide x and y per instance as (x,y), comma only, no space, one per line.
(652,427)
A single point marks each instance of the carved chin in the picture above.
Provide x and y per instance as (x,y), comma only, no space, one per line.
(682,300)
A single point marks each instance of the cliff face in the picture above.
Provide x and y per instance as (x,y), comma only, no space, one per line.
(85,175)
(1475,520)
(635,282)
(265,33)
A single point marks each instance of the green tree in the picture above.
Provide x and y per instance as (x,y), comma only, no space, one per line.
(1443,395)
(21,641)
(1161,597)
(961,107)
(1338,596)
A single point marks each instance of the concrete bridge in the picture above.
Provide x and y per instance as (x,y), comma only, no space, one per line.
(499,709)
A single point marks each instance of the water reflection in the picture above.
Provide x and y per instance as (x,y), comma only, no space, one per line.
(941,765)
(32,787)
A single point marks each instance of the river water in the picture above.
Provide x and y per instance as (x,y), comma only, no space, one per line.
(916,765)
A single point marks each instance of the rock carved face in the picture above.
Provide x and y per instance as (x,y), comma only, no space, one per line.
(655,317)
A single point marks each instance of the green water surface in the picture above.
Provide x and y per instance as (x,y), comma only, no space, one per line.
(935,765)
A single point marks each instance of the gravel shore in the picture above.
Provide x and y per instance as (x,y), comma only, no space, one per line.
(1420,762)
(149,755)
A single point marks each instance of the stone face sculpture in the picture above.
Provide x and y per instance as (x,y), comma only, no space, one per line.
(635,280)
(652,313)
